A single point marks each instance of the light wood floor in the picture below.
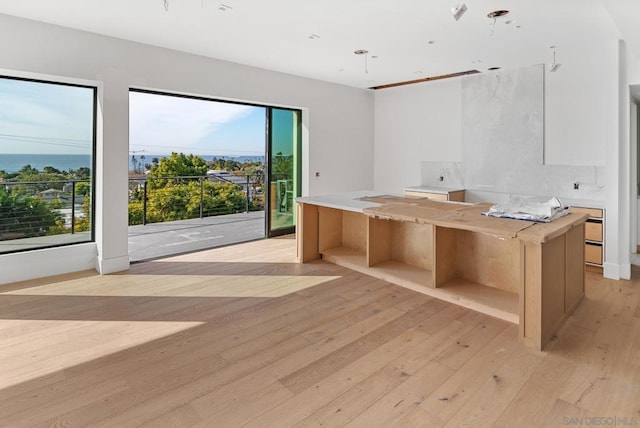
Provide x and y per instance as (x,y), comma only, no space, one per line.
(243,336)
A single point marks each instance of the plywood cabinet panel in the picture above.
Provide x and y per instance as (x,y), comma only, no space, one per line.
(553,286)
(594,236)
(307,233)
(593,253)
(532,274)
(354,231)
(593,231)
(574,257)
(591,212)
(488,260)
(412,243)
(434,196)
(452,195)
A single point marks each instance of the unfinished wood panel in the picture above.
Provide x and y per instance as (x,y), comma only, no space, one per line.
(379,241)
(593,253)
(329,228)
(591,212)
(412,243)
(574,258)
(454,195)
(307,230)
(593,268)
(488,260)
(433,196)
(593,231)
(553,286)
(444,260)
(457,196)
(487,300)
(530,295)
(543,232)
(354,230)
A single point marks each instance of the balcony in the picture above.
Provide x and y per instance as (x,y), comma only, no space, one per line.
(167,215)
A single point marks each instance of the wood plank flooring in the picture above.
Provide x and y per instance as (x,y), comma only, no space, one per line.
(244,337)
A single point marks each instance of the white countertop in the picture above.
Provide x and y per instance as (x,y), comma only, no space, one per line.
(433,189)
(583,203)
(349,201)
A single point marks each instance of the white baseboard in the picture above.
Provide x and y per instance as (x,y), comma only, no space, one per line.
(113,265)
(617,271)
(45,262)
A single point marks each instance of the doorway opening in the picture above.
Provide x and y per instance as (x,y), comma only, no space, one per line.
(205,173)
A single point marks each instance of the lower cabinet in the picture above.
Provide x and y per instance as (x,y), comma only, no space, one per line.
(594,237)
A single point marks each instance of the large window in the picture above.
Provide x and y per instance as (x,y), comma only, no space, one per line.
(47,146)
(221,172)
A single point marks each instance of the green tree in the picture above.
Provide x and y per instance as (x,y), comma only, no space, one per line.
(282,166)
(178,164)
(83,172)
(182,201)
(230,165)
(83,224)
(135,212)
(51,170)
(83,188)
(23,216)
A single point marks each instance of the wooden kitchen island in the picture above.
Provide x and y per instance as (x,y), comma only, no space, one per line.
(531,274)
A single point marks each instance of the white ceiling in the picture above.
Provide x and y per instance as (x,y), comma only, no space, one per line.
(276,34)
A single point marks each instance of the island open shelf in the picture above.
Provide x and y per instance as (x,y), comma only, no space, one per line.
(526,273)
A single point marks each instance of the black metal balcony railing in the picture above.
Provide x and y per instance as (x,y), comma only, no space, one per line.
(39,208)
(170,198)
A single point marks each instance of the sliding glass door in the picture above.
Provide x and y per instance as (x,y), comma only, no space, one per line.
(284,169)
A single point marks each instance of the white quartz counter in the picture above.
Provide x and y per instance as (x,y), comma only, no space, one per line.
(350,201)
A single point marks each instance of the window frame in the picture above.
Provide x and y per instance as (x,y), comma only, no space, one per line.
(59,81)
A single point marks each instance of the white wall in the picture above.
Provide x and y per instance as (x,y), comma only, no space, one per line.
(339,119)
(415,123)
(578,124)
(581,129)
(633,81)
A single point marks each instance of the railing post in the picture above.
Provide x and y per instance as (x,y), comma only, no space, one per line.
(201,196)
(247,201)
(73,207)
(144,203)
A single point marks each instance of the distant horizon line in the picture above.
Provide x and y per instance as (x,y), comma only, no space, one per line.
(154,154)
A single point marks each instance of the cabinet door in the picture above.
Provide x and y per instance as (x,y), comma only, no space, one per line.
(593,253)
(593,231)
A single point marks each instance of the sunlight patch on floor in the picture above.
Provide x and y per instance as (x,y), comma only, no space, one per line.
(82,342)
(184,286)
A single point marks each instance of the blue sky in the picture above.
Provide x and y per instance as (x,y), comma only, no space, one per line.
(160,124)
(45,118)
(37,118)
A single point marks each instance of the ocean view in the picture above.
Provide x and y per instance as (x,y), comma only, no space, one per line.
(14,162)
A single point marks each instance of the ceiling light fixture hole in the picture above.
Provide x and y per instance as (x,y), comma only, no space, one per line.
(497,13)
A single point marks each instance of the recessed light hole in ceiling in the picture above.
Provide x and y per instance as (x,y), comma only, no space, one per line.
(494,16)
(366,56)
(497,14)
